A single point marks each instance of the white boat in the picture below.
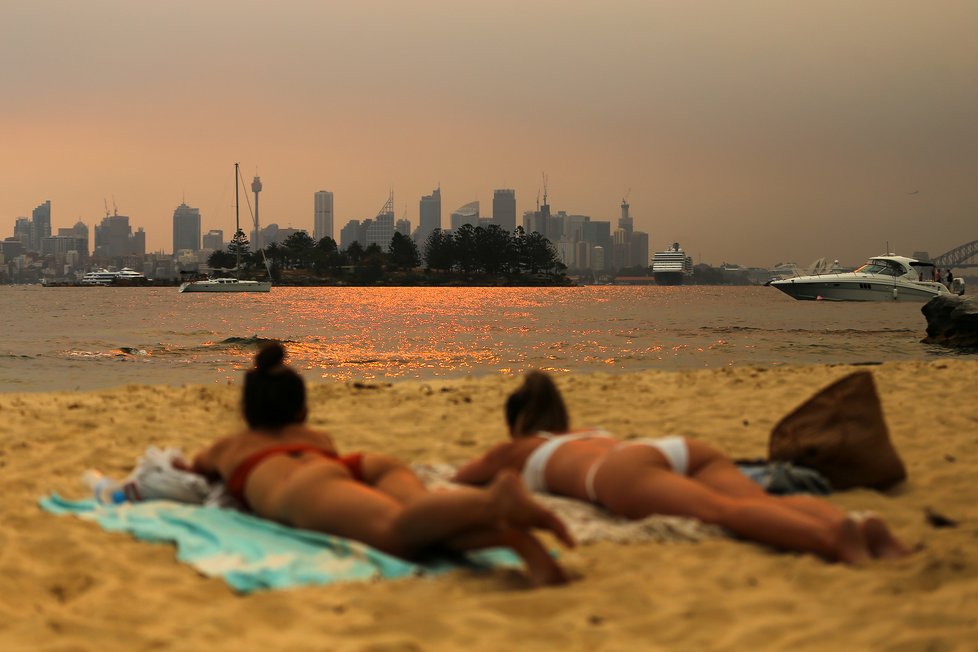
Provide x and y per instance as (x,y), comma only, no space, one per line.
(226,285)
(229,284)
(671,267)
(883,278)
(99,277)
(125,276)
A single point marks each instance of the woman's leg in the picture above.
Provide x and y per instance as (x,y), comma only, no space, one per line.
(715,470)
(392,477)
(320,500)
(643,489)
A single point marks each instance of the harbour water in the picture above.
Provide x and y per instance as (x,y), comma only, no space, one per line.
(91,338)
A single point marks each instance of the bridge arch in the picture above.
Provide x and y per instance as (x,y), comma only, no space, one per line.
(965,255)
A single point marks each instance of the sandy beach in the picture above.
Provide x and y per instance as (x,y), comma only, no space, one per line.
(65,584)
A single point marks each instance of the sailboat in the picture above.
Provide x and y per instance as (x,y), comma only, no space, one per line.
(230,283)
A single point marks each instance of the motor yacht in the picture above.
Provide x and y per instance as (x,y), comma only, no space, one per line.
(883,278)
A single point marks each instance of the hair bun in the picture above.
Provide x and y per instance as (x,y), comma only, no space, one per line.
(270,356)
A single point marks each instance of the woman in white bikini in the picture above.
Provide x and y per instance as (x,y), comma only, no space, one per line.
(287,472)
(670,476)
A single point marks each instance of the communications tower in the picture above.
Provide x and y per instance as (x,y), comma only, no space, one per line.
(256,188)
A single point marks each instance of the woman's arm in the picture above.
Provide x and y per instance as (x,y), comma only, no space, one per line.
(205,462)
(485,468)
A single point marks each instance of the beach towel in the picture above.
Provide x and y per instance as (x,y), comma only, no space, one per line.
(155,477)
(252,553)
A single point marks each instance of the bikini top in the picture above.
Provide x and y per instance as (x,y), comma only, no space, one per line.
(535,467)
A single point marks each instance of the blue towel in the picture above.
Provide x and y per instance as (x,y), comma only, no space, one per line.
(252,553)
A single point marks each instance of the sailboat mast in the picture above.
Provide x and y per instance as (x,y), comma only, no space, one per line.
(237,224)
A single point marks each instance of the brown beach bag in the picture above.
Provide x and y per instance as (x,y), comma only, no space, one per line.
(840,432)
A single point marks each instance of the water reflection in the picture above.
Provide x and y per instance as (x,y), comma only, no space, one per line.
(372,333)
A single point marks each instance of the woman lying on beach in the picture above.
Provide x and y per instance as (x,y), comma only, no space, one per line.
(287,472)
(670,476)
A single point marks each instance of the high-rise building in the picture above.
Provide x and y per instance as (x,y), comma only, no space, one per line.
(429,212)
(40,224)
(467,214)
(214,239)
(504,209)
(350,234)
(186,229)
(113,237)
(403,226)
(22,231)
(322,225)
(81,232)
(625,222)
(380,231)
(640,249)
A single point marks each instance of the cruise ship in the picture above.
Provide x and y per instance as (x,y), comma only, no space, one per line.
(672,267)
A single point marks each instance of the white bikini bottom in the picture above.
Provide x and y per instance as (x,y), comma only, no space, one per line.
(673,448)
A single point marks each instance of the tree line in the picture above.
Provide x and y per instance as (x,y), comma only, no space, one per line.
(470,251)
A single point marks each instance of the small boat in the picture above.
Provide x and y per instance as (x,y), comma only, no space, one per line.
(226,285)
(883,278)
(230,284)
(672,267)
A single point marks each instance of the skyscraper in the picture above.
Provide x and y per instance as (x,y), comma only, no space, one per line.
(40,224)
(504,209)
(186,228)
(322,224)
(214,239)
(625,222)
(429,214)
(467,214)
(114,237)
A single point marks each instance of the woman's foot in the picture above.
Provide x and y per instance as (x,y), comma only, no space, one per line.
(881,542)
(516,508)
(542,569)
(851,547)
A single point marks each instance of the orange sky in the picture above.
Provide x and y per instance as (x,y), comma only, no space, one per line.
(751,131)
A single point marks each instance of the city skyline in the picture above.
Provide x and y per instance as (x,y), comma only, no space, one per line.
(730,128)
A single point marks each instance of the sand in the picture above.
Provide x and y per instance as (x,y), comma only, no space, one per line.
(67,585)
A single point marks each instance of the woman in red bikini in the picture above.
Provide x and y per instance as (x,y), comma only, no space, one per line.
(666,475)
(287,472)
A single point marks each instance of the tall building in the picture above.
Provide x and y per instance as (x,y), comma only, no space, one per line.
(640,249)
(403,226)
(504,209)
(40,224)
(322,221)
(22,231)
(429,212)
(350,234)
(186,229)
(113,237)
(81,232)
(467,214)
(380,231)
(213,239)
(625,222)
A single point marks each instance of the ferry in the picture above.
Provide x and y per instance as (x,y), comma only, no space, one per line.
(125,276)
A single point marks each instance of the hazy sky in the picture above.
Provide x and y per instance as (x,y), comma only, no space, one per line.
(749,131)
